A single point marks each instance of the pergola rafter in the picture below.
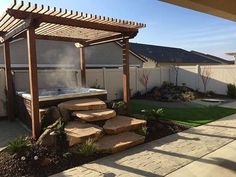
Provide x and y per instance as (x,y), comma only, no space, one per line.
(32,21)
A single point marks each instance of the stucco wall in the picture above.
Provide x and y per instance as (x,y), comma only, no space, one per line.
(65,53)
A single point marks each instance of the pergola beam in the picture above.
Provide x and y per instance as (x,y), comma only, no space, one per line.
(104,40)
(58,38)
(8,76)
(2,33)
(33,78)
(82,66)
(68,22)
(20,29)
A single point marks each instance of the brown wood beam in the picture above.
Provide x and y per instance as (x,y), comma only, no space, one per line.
(33,78)
(9,81)
(101,40)
(57,38)
(19,30)
(69,22)
(126,82)
(82,66)
(2,33)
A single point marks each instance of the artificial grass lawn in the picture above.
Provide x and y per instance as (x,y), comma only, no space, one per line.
(193,116)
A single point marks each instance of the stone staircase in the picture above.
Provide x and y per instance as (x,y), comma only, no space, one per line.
(117,132)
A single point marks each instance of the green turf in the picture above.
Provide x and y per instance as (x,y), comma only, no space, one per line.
(188,116)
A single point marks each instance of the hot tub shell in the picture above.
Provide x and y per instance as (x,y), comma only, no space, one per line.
(53,97)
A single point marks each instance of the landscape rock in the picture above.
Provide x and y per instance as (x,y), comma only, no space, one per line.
(64,113)
(47,138)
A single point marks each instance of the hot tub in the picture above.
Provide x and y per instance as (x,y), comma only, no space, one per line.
(52,97)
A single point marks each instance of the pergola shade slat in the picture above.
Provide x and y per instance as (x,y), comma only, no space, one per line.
(65,23)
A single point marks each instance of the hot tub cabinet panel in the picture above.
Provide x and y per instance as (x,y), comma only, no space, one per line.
(46,101)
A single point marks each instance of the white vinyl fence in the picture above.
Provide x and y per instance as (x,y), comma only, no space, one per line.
(219,77)
(110,79)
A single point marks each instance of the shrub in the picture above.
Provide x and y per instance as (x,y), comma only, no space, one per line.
(143,131)
(153,113)
(120,107)
(88,148)
(231,92)
(18,145)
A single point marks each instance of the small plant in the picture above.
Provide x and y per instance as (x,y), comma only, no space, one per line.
(153,113)
(231,92)
(88,148)
(144,79)
(205,74)
(67,154)
(61,137)
(60,126)
(18,145)
(143,131)
(120,107)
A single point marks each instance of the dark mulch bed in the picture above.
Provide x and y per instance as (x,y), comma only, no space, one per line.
(12,165)
(160,128)
(51,162)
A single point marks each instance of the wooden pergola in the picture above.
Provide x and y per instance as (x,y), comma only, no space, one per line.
(32,21)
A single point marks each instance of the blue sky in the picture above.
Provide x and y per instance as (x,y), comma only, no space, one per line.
(167,25)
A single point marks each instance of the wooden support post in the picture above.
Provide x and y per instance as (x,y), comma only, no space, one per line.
(82,66)
(33,78)
(8,78)
(126,84)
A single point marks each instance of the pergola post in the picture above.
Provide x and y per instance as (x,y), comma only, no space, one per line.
(8,78)
(82,66)
(126,84)
(33,79)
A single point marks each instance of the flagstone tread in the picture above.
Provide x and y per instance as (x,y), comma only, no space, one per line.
(121,124)
(95,115)
(120,142)
(84,104)
(78,132)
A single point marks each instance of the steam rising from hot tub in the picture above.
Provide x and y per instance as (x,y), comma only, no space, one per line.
(59,66)
(66,61)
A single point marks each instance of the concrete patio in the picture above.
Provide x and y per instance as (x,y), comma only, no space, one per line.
(206,151)
(11,130)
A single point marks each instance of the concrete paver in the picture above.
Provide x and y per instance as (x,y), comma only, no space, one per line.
(220,163)
(164,156)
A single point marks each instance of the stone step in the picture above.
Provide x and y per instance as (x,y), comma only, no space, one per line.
(78,132)
(95,115)
(120,142)
(121,124)
(83,104)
